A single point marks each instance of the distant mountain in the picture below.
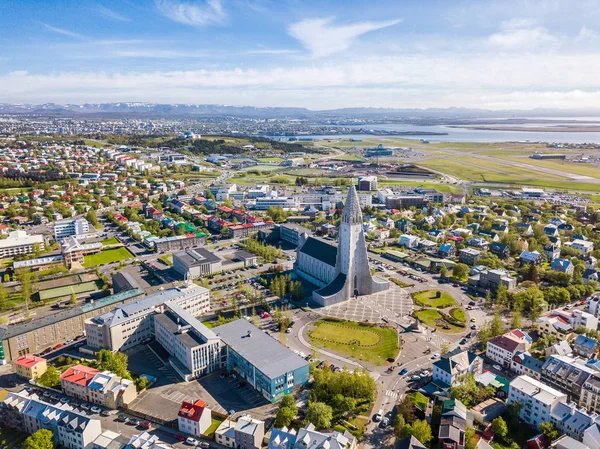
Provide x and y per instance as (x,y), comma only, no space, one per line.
(136,109)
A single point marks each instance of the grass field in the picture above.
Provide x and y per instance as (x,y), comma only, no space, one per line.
(429,317)
(167,259)
(110,241)
(214,425)
(571,167)
(458,314)
(60,292)
(428,298)
(107,256)
(270,159)
(358,423)
(369,343)
(419,400)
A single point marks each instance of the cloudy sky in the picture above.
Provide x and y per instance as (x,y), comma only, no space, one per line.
(318,54)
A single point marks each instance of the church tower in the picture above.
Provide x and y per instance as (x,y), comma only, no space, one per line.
(352,274)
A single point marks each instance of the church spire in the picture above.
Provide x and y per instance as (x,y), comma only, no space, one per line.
(352,213)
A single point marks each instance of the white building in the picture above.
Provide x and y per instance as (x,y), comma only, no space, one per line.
(195,348)
(408,241)
(249,432)
(584,246)
(270,201)
(225,434)
(537,399)
(194,418)
(222,192)
(501,349)
(133,323)
(453,365)
(66,228)
(19,242)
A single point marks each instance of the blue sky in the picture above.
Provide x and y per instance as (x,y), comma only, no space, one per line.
(316,54)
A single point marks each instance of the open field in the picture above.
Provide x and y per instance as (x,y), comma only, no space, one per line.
(107,256)
(571,167)
(364,342)
(430,317)
(270,159)
(346,157)
(429,298)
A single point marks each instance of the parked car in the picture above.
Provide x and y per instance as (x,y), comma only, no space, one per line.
(204,445)
(179,437)
(134,421)
(497,367)
(96,409)
(424,374)
(435,356)
(403,371)
(145,425)
(191,441)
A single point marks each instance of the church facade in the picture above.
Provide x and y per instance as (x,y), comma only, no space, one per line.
(342,272)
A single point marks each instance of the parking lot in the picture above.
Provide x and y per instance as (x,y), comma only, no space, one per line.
(164,398)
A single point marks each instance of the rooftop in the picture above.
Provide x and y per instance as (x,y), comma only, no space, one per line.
(29,360)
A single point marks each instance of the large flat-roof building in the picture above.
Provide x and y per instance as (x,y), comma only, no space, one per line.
(45,332)
(196,262)
(133,323)
(537,399)
(268,366)
(195,349)
(19,242)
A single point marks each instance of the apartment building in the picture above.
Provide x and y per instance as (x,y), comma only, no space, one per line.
(98,387)
(66,228)
(590,393)
(537,399)
(133,323)
(18,243)
(29,414)
(469,256)
(453,365)
(249,432)
(566,373)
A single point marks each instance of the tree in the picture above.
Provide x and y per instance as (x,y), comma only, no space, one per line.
(550,430)
(6,277)
(51,378)
(499,427)
(319,414)
(116,363)
(3,297)
(470,442)
(40,439)
(399,424)
(420,430)
(285,416)
(406,408)
(141,383)
(496,325)
(516,319)
(460,271)
(443,272)
(92,218)
(73,300)
(502,293)
(444,348)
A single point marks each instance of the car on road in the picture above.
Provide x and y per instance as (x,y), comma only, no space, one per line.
(455,285)
(385,422)
(105,413)
(473,320)
(473,327)
(96,409)
(145,425)
(435,356)
(471,303)
(179,437)
(497,367)
(415,377)
(403,372)
(469,307)
(203,445)
(191,441)
(134,421)
(425,374)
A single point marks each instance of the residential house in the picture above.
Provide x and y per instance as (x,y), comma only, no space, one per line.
(530,257)
(409,241)
(469,256)
(500,249)
(225,434)
(562,266)
(408,443)
(524,363)
(30,366)
(551,251)
(453,365)
(453,424)
(561,347)
(501,349)
(584,246)
(249,433)
(478,242)
(309,438)
(194,418)
(585,346)
(446,251)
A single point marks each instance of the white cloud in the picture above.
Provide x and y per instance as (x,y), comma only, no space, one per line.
(109,13)
(62,31)
(323,38)
(587,34)
(521,34)
(199,13)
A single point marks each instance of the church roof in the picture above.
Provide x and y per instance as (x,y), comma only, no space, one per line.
(321,250)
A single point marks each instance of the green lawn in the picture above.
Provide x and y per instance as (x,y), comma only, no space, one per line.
(107,256)
(428,298)
(364,342)
(167,259)
(356,426)
(419,400)
(214,425)
(110,241)
(459,314)
(430,317)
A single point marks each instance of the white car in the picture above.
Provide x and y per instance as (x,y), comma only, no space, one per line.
(95,409)
(191,441)
(435,356)
(425,374)
(498,367)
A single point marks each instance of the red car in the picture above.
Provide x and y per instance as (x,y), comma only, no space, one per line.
(145,425)
(455,285)
(179,437)
(58,346)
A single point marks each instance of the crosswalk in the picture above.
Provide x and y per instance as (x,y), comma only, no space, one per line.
(391,394)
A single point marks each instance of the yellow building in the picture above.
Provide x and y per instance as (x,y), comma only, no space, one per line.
(30,366)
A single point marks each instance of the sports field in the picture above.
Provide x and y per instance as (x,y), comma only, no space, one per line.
(363,342)
(107,256)
(60,292)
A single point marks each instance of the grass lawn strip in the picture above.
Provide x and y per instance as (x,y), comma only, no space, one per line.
(214,425)
(110,241)
(360,341)
(458,314)
(428,298)
(107,256)
(430,318)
